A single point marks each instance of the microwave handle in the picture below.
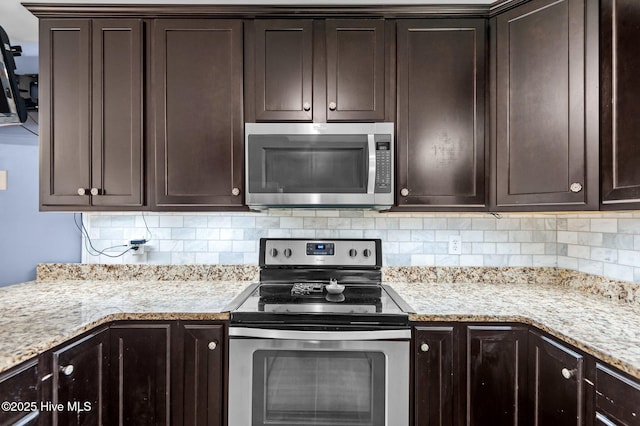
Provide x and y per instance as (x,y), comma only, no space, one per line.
(371,182)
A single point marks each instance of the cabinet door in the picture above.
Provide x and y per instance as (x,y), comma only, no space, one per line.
(620,86)
(202,356)
(198,113)
(435,376)
(496,375)
(64,106)
(20,386)
(117,112)
(80,381)
(139,374)
(546,155)
(283,69)
(355,69)
(617,397)
(556,386)
(441,80)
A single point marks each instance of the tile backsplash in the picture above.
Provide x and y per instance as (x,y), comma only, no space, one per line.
(606,244)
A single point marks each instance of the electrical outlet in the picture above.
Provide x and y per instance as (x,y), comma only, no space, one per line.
(455,244)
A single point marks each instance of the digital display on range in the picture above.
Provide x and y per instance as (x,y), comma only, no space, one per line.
(320,249)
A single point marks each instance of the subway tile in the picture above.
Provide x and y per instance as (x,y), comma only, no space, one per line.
(423,260)
(250,258)
(496,236)
(544,236)
(520,260)
(231,234)
(220,246)
(351,233)
(532,248)
(280,212)
(636,242)
(327,213)
(219,222)
(397,259)
(303,212)
(465,248)
(562,224)
(157,257)
(471,260)
(563,249)
(434,223)
(551,248)
(327,233)
(243,222)
(520,236)
(315,222)
(171,246)
(375,233)
(161,234)
(435,248)
(508,248)
(459,223)
(618,272)
(578,224)
(123,221)
(145,220)
(423,235)
(207,234)
(496,260)
(508,224)
(182,258)
(604,225)
(231,258)
(604,254)
(279,233)
(636,275)
(303,233)
(400,235)
(351,213)
(195,221)
(483,248)
(183,233)
(544,261)
(567,237)
(628,257)
(339,223)
(409,248)
(590,267)
(629,226)
(447,260)
(590,238)
(112,234)
(195,245)
(390,248)
(291,222)
(472,236)
(254,234)
(244,246)
(581,252)
(363,223)
(565,262)
(207,258)
(619,241)
(173,221)
(483,224)
(410,223)
(268,222)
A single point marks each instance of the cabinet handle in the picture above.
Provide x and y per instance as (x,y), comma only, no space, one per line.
(235,191)
(424,347)
(575,187)
(306,106)
(404,192)
(95,191)
(332,106)
(83,191)
(212,345)
(567,374)
(67,370)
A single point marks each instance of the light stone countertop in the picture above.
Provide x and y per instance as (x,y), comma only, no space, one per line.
(37,316)
(607,329)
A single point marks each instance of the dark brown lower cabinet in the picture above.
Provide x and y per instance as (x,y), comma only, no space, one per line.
(140,373)
(556,383)
(17,387)
(617,398)
(199,370)
(436,386)
(496,375)
(79,382)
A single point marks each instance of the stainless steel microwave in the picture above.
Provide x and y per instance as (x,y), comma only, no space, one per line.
(319,165)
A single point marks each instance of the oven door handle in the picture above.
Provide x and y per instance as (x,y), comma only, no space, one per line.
(270,333)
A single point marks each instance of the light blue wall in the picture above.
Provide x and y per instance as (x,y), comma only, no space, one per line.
(27,236)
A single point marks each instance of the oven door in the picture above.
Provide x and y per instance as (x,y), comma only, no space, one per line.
(288,377)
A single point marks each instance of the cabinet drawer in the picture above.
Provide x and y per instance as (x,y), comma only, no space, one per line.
(617,396)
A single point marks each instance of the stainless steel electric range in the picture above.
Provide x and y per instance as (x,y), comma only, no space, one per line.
(319,340)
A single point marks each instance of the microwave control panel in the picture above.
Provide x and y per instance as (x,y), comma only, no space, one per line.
(383,163)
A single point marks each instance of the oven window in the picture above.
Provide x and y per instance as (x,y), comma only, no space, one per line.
(308,164)
(318,387)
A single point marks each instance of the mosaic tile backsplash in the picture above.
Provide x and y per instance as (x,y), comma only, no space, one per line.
(605,244)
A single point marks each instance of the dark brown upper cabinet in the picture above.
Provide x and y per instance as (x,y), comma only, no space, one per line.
(316,70)
(620,106)
(546,109)
(197,90)
(440,123)
(91,104)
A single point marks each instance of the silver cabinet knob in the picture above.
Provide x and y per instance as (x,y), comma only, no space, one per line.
(212,345)
(575,187)
(95,191)
(306,106)
(82,191)
(567,374)
(67,370)
(424,347)
(235,191)
(404,192)
(333,106)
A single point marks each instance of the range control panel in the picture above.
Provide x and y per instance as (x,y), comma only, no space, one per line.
(329,252)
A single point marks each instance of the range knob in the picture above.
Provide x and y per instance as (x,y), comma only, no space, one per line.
(273,252)
(353,253)
(366,253)
(287,252)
